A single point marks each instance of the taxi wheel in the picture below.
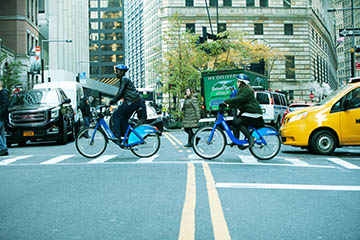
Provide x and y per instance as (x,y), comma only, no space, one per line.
(323,142)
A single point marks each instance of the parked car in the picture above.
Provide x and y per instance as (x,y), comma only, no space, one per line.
(74,91)
(40,114)
(295,107)
(331,123)
(273,106)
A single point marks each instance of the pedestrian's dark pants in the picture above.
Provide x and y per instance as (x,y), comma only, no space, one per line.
(190,133)
(122,115)
(242,123)
(86,125)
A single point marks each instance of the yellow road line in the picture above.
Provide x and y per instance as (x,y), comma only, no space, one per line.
(220,227)
(187,225)
(175,139)
(172,142)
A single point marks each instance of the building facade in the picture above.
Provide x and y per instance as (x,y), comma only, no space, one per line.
(343,20)
(106,39)
(302,30)
(19,31)
(134,25)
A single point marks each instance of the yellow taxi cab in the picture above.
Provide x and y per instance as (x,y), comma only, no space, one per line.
(333,122)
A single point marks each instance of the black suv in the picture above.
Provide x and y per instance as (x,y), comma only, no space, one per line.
(41,114)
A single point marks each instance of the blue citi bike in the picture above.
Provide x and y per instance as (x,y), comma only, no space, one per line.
(142,140)
(210,141)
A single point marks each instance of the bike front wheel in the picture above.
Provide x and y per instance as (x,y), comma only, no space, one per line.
(209,149)
(148,148)
(267,150)
(91,143)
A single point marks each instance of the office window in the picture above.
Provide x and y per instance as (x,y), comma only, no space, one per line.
(213,3)
(264,3)
(28,8)
(288,29)
(93,4)
(258,29)
(221,27)
(290,67)
(227,3)
(250,3)
(287,3)
(190,27)
(32,10)
(189,3)
(41,6)
(28,44)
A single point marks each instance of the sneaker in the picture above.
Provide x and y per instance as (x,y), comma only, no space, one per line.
(4,152)
(188,145)
(197,140)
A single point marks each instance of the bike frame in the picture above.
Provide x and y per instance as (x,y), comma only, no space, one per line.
(110,134)
(221,121)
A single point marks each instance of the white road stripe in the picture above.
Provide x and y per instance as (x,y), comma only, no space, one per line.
(288,186)
(194,157)
(247,159)
(11,160)
(296,161)
(102,159)
(57,159)
(343,163)
(149,159)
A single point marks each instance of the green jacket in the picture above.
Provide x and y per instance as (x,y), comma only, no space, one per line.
(245,101)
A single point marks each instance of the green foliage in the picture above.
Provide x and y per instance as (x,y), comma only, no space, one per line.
(11,73)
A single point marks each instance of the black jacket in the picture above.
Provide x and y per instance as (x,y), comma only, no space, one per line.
(127,91)
(4,104)
(85,108)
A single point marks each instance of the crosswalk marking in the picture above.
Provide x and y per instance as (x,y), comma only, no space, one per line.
(11,160)
(102,159)
(57,159)
(296,161)
(247,159)
(149,159)
(343,163)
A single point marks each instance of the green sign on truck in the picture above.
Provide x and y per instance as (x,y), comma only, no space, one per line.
(215,86)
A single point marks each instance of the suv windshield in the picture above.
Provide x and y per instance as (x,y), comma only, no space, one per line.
(35,97)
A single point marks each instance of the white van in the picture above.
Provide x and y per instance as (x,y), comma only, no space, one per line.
(273,106)
(74,91)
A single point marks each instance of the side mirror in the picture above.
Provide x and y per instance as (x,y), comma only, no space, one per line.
(347,104)
(67,100)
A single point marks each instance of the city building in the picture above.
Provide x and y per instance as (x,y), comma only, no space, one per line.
(106,39)
(343,20)
(302,30)
(19,31)
(134,28)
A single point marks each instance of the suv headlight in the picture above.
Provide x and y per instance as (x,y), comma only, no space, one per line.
(55,113)
(300,116)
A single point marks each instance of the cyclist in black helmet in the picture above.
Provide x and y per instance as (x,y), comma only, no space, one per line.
(250,111)
(130,98)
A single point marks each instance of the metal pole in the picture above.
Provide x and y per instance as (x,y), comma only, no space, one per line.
(217,16)
(353,40)
(42,61)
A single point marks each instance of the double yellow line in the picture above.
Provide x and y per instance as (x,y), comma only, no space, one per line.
(187,225)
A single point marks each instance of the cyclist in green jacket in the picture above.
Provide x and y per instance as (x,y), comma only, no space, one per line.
(250,111)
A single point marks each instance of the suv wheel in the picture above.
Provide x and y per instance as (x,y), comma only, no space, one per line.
(323,142)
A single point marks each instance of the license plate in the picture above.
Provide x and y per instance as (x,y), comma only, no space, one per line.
(28,134)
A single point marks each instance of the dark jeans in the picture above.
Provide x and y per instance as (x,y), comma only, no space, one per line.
(122,115)
(242,123)
(190,133)
(86,121)
(3,145)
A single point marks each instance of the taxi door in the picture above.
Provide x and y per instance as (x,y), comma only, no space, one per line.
(350,119)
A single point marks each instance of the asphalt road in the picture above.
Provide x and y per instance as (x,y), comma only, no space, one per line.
(52,192)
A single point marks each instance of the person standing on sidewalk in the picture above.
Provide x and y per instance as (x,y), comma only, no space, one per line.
(4,104)
(191,112)
(85,110)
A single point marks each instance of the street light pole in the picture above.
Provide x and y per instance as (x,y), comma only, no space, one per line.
(41,54)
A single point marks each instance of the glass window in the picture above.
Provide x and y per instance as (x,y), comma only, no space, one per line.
(262,98)
(258,29)
(35,97)
(110,3)
(264,3)
(111,36)
(190,27)
(276,99)
(221,27)
(112,47)
(41,6)
(107,70)
(111,25)
(290,67)
(93,4)
(94,70)
(213,3)
(93,14)
(108,58)
(250,3)
(288,28)
(94,58)
(189,3)
(94,25)
(287,3)
(94,36)
(227,3)
(111,14)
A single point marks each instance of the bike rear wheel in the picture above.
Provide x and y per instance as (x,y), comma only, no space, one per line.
(269,150)
(148,148)
(212,149)
(91,143)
